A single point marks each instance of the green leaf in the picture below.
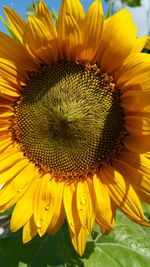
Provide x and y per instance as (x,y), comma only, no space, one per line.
(127,246)
(132,3)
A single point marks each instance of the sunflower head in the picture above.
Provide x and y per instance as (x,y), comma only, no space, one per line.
(75,121)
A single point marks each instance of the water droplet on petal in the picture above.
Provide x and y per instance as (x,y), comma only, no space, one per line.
(71,225)
(18,190)
(38,225)
(83,201)
(47,207)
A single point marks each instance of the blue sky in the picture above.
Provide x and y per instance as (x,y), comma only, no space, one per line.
(139,14)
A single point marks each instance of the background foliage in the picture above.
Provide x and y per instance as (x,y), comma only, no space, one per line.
(131,3)
(127,246)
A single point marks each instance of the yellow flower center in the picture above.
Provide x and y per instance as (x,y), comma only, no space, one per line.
(68,117)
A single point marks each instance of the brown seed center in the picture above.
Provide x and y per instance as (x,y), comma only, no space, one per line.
(68,117)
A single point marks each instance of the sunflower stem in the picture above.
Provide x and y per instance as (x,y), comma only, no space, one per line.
(110,9)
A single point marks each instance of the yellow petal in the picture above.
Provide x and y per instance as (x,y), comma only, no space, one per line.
(140,44)
(136,177)
(139,161)
(5,143)
(57,222)
(16,52)
(137,144)
(79,240)
(4,129)
(12,202)
(147,155)
(4,134)
(8,91)
(29,230)
(43,203)
(7,146)
(14,186)
(16,22)
(24,208)
(43,13)
(5,104)
(9,160)
(118,40)
(86,205)
(4,122)
(132,68)
(47,203)
(123,195)
(73,9)
(147,45)
(39,41)
(72,44)
(137,124)
(69,22)
(58,214)
(12,171)
(137,88)
(12,72)
(5,113)
(70,206)
(105,216)
(136,101)
(92,31)
(136,91)
(8,94)
(11,87)
(105,227)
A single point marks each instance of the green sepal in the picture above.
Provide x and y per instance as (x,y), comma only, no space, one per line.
(9,29)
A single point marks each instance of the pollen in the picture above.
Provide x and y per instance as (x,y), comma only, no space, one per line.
(68,117)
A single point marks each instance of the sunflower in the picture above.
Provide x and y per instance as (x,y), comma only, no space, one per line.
(75,121)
